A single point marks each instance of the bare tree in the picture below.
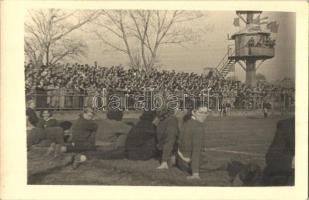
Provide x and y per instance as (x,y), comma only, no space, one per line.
(140,33)
(48,34)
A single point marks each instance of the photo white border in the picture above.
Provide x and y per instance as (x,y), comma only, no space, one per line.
(13,146)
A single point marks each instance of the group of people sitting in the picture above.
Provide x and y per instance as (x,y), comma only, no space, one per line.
(157,134)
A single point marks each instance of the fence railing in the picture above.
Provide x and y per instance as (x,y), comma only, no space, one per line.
(76,100)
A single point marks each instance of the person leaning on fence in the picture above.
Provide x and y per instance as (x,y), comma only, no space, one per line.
(190,142)
(167,132)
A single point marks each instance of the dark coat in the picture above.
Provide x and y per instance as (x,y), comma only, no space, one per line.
(141,142)
(32,117)
(280,154)
(45,133)
(167,133)
(47,124)
(83,134)
(191,142)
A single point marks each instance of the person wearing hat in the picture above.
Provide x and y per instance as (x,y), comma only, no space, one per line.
(190,142)
(167,132)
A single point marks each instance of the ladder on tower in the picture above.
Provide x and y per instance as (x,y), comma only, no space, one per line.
(225,66)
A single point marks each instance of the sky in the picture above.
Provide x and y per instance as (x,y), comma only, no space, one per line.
(212,47)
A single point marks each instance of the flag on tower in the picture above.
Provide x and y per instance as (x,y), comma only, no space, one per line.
(236,22)
(264,20)
(273,26)
(258,20)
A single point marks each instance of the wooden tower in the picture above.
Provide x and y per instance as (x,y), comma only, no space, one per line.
(251,44)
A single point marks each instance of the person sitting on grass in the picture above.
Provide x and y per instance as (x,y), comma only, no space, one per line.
(83,133)
(66,126)
(190,142)
(47,120)
(46,133)
(279,159)
(30,112)
(80,138)
(112,132)
(167,132)
(141,141)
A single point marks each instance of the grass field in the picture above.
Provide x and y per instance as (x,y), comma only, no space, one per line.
(245,139)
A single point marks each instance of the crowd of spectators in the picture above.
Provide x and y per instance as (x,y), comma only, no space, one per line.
(72,85)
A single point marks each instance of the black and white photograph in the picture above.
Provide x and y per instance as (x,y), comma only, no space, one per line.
(160,97)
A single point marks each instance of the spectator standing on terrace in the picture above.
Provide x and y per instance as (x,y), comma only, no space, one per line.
(228,107)
(266,106)
(167,132)
(62,93)
(250,45)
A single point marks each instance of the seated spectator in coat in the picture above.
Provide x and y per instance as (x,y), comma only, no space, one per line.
(190,142)
(80,138)
(167,132)
(113,131)
(66,126)
(29,132)
(47,133)
(141,140)
(46,120)
(279,158)
(83,132)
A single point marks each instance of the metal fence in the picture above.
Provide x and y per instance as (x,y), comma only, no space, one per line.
(62,99)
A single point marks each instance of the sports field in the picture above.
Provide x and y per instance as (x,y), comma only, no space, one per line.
(241,138)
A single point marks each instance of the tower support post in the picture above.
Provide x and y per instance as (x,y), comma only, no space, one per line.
(250,73)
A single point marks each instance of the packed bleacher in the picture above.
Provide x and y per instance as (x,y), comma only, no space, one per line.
(72,85)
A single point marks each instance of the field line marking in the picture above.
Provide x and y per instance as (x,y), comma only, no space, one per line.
(234,152)
(244,145)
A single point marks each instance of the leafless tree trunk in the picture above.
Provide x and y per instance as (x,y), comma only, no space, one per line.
(48,36)
(145,30)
